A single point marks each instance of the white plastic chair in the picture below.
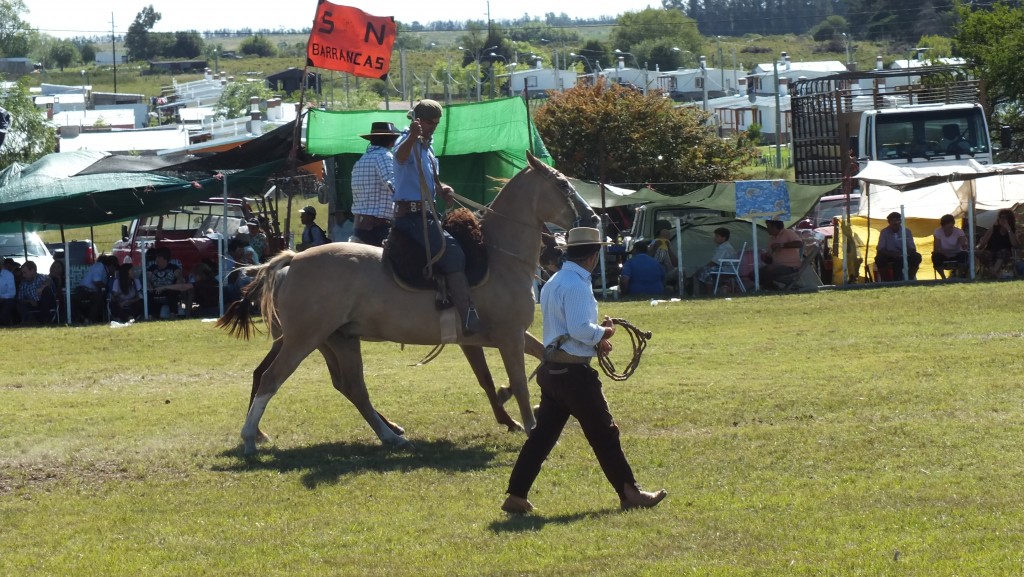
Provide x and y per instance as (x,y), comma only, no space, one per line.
(730,267)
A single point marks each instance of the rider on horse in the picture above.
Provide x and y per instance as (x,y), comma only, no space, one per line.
(416,185)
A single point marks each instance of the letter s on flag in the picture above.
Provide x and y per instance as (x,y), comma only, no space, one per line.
(347,39)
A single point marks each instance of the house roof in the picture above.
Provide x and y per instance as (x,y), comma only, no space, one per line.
(125,141)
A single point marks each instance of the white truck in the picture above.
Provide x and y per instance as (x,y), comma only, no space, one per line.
(840,122)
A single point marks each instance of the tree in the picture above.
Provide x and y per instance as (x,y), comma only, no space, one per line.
(992,40)
(257,46)
(620,136)
(186,45)
(88,53)
(234,100)
(670,26)
(137,41)
(16,35)
(30,136)
(63,53)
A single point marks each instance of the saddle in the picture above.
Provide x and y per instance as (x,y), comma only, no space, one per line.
(406,258)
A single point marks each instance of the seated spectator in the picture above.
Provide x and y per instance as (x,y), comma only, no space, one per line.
(30,292)
(641,275)
(889,251)
(665,253)
(126,294)
(167,287)
(950,245)
(91,292)
(8,292)
(52,298)
(257,239)
(723,250)
(250,256)
(234,278)
(205,292)
(782,257)
(998,243)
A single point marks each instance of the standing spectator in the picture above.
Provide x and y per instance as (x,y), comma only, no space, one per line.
(783,254)
(92,290)
(126,294)
(569,386)
(312,234)
(950,245)
(641,275)
(889,251)
(8,292)
(417,184)
(373,185)
(30,293)
(998,243)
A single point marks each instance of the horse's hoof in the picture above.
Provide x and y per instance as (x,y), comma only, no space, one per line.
(515,427)
(262,437)
(250,447)
(395,428)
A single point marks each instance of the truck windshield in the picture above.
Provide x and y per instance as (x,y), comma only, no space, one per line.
(920,134)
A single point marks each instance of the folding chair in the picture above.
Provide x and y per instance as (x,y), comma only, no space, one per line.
(730,267)
(790,281)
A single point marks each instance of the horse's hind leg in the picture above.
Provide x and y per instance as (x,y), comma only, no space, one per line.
(345,363)
(284,359)
(535,349)
(257,376)
(478,361)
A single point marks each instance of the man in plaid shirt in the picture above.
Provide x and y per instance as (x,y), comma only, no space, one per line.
(373,178)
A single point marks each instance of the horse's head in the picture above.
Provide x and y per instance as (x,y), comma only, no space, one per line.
(562,205)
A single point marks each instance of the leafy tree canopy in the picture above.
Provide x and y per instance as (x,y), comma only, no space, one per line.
(257,45)
(16,35)
(234,100)
(30,136)
(618,135)
(138,41)
(63,53)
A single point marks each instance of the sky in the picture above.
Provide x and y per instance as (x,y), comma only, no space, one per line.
(68,18)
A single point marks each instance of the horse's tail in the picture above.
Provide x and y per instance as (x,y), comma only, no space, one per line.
(238,319)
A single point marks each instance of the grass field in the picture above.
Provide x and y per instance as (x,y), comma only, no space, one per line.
(869,432)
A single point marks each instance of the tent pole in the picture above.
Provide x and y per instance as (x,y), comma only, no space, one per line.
(756,254)
(970,226)
(67,279)
(220,245)
(145,282)
(903,238)
(680,273)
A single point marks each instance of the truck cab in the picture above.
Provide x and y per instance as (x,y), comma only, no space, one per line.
(935,135)
(190,232)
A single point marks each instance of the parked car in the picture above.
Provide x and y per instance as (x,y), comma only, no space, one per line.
(30,247)
(82,252)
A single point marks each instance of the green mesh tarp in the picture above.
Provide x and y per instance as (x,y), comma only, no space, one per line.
(478,145)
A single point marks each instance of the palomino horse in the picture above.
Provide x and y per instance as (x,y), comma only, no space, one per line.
(333,296)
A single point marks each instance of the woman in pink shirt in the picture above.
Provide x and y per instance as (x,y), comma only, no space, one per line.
(950,246)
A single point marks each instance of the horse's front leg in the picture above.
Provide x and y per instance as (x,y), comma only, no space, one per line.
(478,361)
(515,367)
(345,363)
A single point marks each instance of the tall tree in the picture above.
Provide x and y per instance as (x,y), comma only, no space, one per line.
(992,40)
(620,135)
(137,40)
(63,53)
(16,35)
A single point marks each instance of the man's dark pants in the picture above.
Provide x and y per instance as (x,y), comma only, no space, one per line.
(571,390)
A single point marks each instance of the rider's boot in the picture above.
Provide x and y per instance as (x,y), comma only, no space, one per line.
(458,287)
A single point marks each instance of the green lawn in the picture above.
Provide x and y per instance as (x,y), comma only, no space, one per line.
(868,432)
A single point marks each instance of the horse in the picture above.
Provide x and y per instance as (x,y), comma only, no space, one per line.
(334,296)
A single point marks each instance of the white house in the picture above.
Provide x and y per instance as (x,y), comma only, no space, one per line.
(538,80)
(732,114)
(107,58)
(142,141)
(642,79)
(688,84)
(763,81)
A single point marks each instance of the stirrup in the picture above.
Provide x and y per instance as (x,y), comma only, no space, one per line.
(472,323)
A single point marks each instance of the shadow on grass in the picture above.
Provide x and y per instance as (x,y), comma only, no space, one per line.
(326,463)
(536,522)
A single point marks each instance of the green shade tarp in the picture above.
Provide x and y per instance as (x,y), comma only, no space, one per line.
(478,145)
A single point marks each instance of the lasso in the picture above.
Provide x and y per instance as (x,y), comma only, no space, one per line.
(638,339)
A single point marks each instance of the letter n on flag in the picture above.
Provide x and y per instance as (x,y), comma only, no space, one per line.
(347,39)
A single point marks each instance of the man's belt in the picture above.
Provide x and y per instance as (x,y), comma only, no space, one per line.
(404,207)
(560,356)
(368,222)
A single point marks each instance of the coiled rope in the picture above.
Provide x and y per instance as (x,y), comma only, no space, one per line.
(638,339)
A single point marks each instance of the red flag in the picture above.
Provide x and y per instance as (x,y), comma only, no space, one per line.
(350,40)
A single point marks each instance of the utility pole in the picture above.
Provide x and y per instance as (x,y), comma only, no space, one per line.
(113,49)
